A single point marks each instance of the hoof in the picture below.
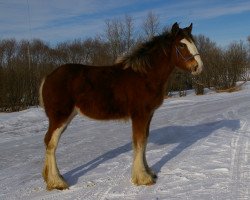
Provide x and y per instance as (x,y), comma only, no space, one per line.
(62,186)
(143,179)
(57,187)
(57,183)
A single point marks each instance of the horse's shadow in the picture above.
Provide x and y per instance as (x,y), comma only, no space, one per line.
(184,136)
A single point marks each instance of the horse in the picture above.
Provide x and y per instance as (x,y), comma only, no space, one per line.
(130,89)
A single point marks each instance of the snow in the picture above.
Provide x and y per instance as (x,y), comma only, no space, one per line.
(199,146)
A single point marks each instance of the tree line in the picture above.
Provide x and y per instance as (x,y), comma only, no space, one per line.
(24,63)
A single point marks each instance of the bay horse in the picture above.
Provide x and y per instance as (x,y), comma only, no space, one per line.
(132,88)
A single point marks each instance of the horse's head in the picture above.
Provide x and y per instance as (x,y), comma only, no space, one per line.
(184,52)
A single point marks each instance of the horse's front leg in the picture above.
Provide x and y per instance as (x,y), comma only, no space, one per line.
(150,171)
(141,174)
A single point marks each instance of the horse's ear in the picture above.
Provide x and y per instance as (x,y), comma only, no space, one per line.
(175,29)
(190,28)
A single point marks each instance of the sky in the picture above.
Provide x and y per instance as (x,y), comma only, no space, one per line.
(223,21)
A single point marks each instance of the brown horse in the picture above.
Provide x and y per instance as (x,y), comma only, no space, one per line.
(133,88)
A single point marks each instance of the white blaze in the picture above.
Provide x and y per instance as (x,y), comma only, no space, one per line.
(193,50)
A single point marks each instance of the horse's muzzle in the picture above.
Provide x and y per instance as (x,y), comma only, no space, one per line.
(197,69)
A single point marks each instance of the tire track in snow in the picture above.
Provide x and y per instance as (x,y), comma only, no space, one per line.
(240,164)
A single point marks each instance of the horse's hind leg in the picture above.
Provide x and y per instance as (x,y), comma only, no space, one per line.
(51,173)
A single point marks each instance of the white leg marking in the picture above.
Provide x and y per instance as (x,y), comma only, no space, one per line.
(54,179)
(50,153)
(138,162)
(51,173)
(140,176)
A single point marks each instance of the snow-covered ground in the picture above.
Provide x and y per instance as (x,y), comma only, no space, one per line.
(199,146)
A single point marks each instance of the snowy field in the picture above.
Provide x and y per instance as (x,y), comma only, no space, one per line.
(199,146)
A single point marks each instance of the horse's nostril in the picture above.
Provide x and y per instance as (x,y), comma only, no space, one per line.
(195,68)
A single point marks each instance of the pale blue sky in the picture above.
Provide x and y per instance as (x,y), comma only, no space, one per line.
(223,21)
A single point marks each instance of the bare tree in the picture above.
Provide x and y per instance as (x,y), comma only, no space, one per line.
(151,25)
(248,64)
(223,67)
(120,35)
(129,32)
(212,59)
(99,53)
(115,36)
(236,63)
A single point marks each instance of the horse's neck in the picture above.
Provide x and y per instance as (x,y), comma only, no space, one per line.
(162,69)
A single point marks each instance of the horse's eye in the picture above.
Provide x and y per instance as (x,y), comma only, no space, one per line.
(182,45)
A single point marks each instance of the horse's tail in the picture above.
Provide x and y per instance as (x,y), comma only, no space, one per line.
(41,94)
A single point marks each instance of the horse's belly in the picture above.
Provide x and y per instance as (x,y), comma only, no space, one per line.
(101,110)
